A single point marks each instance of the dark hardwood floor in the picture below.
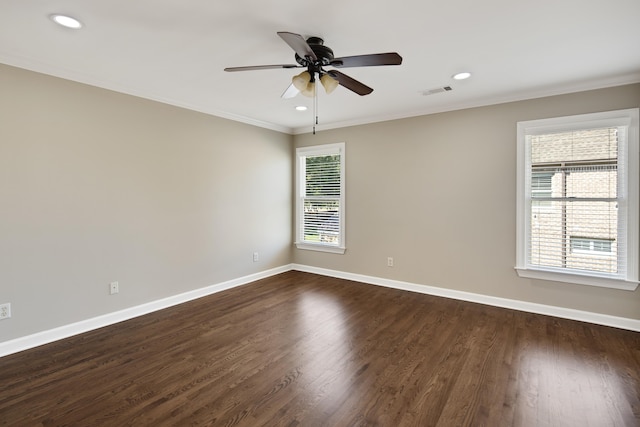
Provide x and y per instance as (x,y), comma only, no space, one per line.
(304,350)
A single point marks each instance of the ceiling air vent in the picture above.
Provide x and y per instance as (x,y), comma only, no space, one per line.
(437,90)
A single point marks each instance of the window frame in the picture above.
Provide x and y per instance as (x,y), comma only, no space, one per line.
(301,154)
(628,188)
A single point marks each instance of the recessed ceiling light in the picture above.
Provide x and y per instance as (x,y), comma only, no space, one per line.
(66,21)
(461,76)
(301,108)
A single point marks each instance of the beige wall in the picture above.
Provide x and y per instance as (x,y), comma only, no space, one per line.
(97,186)
(437,193)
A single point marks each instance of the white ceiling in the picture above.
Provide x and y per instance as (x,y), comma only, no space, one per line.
(175,51)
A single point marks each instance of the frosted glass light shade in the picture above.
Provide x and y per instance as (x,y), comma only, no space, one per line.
(309,90)
(301,81)
(330,84)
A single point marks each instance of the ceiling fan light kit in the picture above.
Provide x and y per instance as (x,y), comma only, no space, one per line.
(305,83)
(313,55)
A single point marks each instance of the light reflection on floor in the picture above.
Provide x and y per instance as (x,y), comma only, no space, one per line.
(325,340)
(561,388)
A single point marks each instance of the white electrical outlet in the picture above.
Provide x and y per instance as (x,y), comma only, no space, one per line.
(389,262)
(114,288)
(256,257)
(5,311)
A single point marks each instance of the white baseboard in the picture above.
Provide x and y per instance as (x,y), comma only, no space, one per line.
(549,310)
(45,337)
(51,335)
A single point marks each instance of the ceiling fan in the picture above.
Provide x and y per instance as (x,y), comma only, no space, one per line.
(313,55)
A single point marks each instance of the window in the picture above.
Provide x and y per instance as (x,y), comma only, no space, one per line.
(592,246)
(541,184)
(541,188)
(578,199)
(320,198)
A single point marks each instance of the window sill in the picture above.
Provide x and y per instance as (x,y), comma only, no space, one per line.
(603,282)
(321,248)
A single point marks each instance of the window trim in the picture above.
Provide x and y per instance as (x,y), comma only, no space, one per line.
(629,154)
(319,150)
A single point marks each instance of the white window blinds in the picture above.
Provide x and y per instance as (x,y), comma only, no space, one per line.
(573,195)
(576,215)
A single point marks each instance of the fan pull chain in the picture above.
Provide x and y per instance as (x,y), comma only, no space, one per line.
(315,107)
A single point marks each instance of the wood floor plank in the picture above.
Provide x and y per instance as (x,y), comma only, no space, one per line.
(299,349)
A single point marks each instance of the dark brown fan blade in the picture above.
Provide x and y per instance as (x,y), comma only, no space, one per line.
(298,44)
(350,83)
(390,58)
(262,67)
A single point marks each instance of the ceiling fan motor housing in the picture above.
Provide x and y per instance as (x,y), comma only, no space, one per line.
(323,53)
